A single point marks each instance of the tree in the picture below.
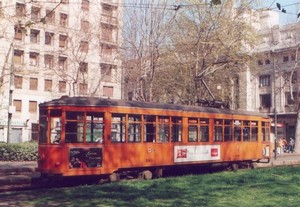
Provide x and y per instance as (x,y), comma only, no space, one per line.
(146,26)
(201,41)
(214,42)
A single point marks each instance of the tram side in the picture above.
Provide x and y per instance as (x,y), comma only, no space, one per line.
(84,136)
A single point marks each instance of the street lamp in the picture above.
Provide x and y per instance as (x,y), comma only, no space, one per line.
(11,89)
(275,111)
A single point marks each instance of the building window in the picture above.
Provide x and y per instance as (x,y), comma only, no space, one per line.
(34,36)
(62,63)
(83,67)
(48,60)
(63,40)
(82,88)
(65,1)
(108,91)
(62,86)
(264,80)
(85,5)
(18,105)
(20,10)
(18,33)
(63,20)
(265,100)
(85,26)
(285,58)
(267,61)
(107,10)
(259,62)
(18,82)
(84,46)
(18,57)
(49,38)
(32,106)
(289,100)
(48,85)
(33,59)
(106,34)
(33,84)
(35,13)
(50,16)
(106,71)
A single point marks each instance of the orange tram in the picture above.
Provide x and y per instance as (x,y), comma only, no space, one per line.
(80,136)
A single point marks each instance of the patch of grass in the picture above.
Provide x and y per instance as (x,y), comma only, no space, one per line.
(253,188)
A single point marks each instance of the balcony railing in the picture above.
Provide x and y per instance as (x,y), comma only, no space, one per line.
(109,20)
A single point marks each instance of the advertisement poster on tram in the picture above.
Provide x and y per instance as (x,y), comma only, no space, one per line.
(85,157)
(196,153)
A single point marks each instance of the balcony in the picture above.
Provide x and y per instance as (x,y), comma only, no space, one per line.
(109,20)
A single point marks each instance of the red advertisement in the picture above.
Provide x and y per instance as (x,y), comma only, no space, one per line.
(182,153)
(214,152)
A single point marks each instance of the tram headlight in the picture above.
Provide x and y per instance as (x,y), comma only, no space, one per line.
(41,156)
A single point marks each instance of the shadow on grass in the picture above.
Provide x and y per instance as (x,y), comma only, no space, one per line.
(267,187)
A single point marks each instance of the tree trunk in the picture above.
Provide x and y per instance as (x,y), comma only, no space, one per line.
(297,133)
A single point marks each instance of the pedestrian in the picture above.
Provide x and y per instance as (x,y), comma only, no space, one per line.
(291,145)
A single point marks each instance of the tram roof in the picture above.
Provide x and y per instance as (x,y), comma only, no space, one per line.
(106,102)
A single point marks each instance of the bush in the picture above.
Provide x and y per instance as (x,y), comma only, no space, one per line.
(26,151)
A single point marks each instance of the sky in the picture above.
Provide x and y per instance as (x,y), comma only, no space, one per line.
(292,8)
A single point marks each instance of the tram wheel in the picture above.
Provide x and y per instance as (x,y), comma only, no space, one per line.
(114,177)
(234,167)
(158,173)
(145,175)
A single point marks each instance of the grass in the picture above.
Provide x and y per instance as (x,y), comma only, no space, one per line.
(261,187)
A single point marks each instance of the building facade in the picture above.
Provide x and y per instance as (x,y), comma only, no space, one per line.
(53,48)
(274,79)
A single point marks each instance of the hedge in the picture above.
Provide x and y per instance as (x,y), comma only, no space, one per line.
(26,151)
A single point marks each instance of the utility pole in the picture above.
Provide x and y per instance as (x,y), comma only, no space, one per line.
(11,89)
(275,111)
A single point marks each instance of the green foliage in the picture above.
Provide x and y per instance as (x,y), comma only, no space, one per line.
(26,151)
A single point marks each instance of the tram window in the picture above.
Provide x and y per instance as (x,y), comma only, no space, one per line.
(73,115)
(227,130)
(246,131)
(204,131)
(265,131)
(134,128)
(176,129)
(149,128)
(193,130)
(55,112)
(94,127)
(218,130)
(163,129)
(43,112)
(254,131)
(193,133)
(118,128)
(74,127)
(237,130)
(55,126)
(74,132)
(43,130)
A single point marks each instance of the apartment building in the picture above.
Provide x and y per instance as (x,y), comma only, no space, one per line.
(274,79)
(53,48)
